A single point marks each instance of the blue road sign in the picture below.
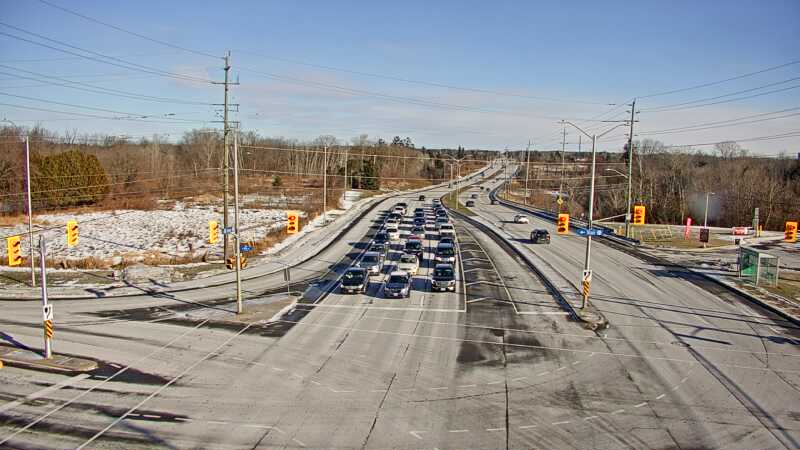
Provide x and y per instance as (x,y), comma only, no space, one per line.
(227,230)
(245,248)
(590,231)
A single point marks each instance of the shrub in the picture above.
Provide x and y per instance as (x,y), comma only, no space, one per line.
(69,178)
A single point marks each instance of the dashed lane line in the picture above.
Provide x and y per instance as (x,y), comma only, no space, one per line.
(640,405)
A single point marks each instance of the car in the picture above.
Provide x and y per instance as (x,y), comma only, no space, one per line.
(441,213)
(395,216)
(379,247)
(372,262)
(447,240)
(381,237)
(393,231)
(441,220)
(521,218)
(414,247)
(470,203)
(436,201)
(445,253)
(418,231)
(474,195)
(355,280)
(398,285)
(444,278)
(403,206)
(430,225)
(419,221)
(540,237)
(447,229)
(408,263)
(419,210)
(494,202)
(422,198)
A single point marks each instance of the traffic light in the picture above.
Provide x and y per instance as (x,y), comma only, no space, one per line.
(563,224)
(14,249)
(230,263)
(213,231)
(790,233)
(72,233)
(292,222)
(638,214)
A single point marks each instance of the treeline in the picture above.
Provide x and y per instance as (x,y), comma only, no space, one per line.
(672,183)
(72,170)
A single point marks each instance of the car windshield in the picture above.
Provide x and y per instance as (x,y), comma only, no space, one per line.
(408,259)
(413,244)
(398,279)
(447,251)
(443,273)
(371,259)
(354,276)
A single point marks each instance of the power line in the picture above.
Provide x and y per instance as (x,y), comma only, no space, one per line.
(132,33)
(428,83)
(97,89)
(678,106)
(122,63)
(713,83)
(789,134)
(723,123)
(96,116)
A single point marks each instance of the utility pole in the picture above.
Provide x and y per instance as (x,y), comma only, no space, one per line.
(237,238)
(345,170)
(226,156)
(630,171)
(30,210)
(527,169)
(324,185)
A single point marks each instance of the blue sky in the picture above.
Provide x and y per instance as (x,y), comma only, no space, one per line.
(297,64)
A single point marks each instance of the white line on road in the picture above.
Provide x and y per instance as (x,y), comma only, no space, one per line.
(218,422)
(575,363)
(299,442)
(520,379)
(560,369)
(561,423)
(660,396)
(38,394)
(619,411)
(640,405)
(591,417)
(495,382)
(438,388)
(465,386)
(496,429)
(458,431)
(543,374)
(416,434)
(525,427)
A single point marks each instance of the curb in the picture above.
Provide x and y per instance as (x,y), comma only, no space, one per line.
(27,359)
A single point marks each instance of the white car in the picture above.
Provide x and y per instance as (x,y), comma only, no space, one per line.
(409,264)
(447,229)
(521,218)
(394,232)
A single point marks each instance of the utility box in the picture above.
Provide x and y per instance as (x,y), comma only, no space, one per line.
(758,267)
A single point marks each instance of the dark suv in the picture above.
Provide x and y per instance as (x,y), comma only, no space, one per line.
(540,237)
(355,280)
(444,278)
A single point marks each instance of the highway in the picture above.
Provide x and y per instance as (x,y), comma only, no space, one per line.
(497,364)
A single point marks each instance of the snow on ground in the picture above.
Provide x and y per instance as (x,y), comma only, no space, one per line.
(179,231)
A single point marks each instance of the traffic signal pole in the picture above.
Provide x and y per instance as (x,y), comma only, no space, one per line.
(46,309)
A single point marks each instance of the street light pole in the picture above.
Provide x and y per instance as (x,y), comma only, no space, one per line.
(237,237)
(527,169)
(30,210)
(630,171)
(588,257)
(324,185)
(705,215)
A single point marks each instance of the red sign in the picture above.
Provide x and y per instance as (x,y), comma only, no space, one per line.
(688,228)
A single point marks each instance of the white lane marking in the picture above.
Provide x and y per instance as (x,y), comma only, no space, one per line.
(640,405)
(675,388)
(575,363)
(316,383)
(591,417)
(519,379)
(683,380)
(41,393)
(255,425)
(439,388)
(619,411)
(561,423)
(457,431)
(416,434)
(151,416)
(278,369)
(560,369)
(299,442)
(496,429)
(660,396)
(218,422)
(379,390)
(100,377)
(525,427)
(185,419)
(495,382)
(591,354)
(543,374)
(465,386)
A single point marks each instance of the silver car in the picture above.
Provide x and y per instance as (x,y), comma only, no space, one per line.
(373,262)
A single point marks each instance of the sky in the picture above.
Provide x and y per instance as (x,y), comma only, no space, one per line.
(479,74)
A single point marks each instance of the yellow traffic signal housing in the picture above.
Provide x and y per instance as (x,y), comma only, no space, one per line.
(14,250)
(790,233)
(563,224)
(72,233)
(292,222)
(230,263)
(213,231)
(638,214)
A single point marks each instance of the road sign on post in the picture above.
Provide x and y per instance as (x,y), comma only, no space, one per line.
(72,233)
(590,232)
(703,234)
(245,248)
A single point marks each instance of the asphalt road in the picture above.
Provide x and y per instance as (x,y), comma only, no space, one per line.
(494,365)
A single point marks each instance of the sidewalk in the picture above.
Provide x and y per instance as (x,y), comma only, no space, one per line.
(30,359)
